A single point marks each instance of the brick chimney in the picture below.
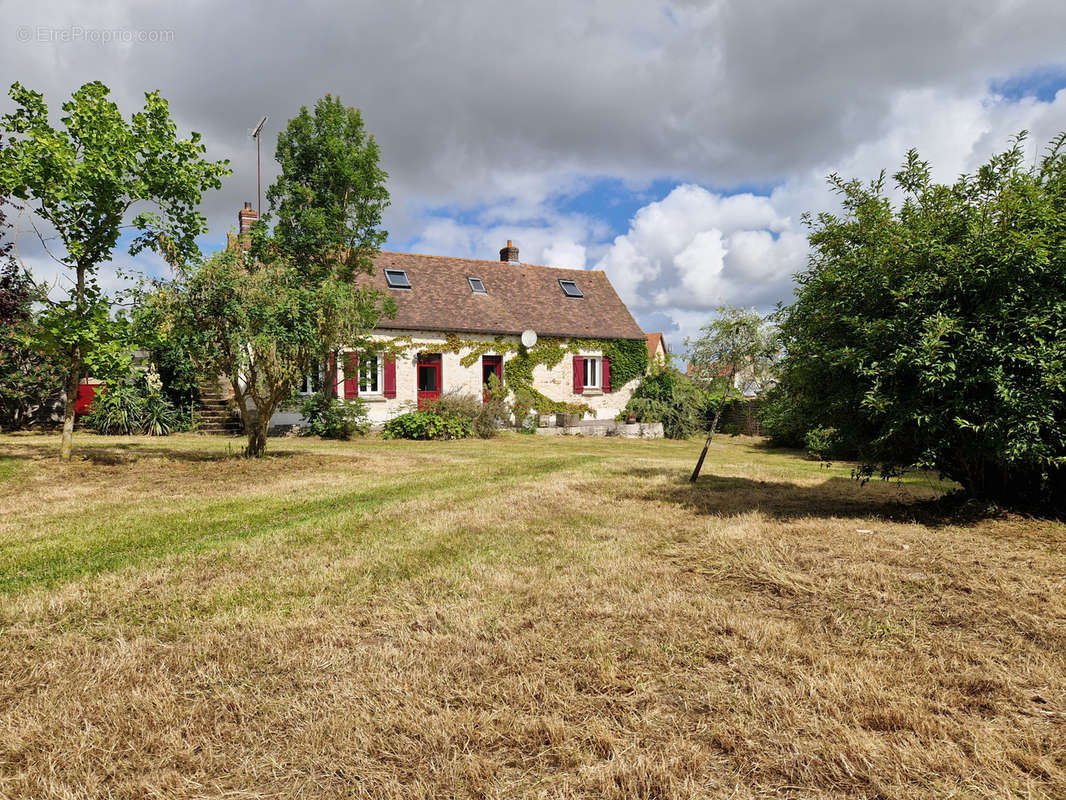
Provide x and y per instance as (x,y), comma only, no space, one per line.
(509,253)
(246,216)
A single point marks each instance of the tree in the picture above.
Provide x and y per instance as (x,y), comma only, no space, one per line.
(271,313)
(738,345)
(330,194)
(83,181)
(29,380)
(930,333)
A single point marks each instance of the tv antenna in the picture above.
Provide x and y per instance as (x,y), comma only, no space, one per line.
(257,134)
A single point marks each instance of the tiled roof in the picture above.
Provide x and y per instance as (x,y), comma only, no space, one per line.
(655,340)
(519,297)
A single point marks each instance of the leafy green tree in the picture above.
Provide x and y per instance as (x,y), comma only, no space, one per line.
(735,350)
(665,395)
(29,379)
(265,327)
(330,194)
(931,333)
(84,180)
(272,310)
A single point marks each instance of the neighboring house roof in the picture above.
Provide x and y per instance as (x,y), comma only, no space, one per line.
(692,371)
(518,297)
(655,341)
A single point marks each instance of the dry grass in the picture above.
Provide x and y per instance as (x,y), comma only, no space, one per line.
(517,617)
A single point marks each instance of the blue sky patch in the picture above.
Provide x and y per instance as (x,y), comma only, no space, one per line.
(1043,84)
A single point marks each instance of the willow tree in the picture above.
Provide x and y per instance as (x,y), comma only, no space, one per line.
(85,180)
(735,349)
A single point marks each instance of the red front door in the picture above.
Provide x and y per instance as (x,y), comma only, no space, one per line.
(490,365)
(428,378)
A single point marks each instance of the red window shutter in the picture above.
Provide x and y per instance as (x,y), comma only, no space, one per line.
(331,376)
(606,374)
(351,377)
(390,376)
(579,374)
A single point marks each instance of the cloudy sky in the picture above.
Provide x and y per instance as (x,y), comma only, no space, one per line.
(673,144)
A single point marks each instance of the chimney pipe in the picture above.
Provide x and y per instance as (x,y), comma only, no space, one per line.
(245,217)
(509,253)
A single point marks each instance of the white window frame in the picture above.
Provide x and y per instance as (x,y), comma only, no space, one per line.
(379,358)
(593,365)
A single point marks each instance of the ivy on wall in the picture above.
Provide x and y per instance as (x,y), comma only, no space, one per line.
(628,357)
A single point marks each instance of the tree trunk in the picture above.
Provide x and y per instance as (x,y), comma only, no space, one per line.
(257,439)
(74,368)
(710,435)
(66,445)
(260,424)
(241,399)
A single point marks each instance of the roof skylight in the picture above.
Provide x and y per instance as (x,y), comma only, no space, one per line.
(397,279)
(570,288)
(477,286)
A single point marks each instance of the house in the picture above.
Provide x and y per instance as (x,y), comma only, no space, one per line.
(657,350)
(562,335)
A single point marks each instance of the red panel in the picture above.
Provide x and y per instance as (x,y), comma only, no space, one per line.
(429,378)
(606,374)
(579,374)
(351,377)
(86,394)
(390,376)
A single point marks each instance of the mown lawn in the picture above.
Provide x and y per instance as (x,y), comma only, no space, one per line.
(523,617)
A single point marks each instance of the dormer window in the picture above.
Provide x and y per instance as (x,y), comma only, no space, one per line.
(570,288)
(397,279)
(477,286)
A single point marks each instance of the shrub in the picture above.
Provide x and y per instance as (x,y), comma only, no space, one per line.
(524,411)
(186,417)
(116,410)
(158,416)
(667,396)
(124,408)
(822,443)
(493,412)
(427,425)
(484,414)
(331,418)
(928,332)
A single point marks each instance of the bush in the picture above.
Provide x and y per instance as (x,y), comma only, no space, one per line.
(331,418)
(130,408)
(485,415)
(524,411)
(116,410)
(667,396)
(493,412)
(928,332)
(158,416)
(822,443)
(427,425)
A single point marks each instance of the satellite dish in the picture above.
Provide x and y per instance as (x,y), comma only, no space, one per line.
(529,338)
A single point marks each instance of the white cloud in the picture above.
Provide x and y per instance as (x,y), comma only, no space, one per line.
(696,248)
(500,112)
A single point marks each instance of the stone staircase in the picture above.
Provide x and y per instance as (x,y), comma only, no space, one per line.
(218,417)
